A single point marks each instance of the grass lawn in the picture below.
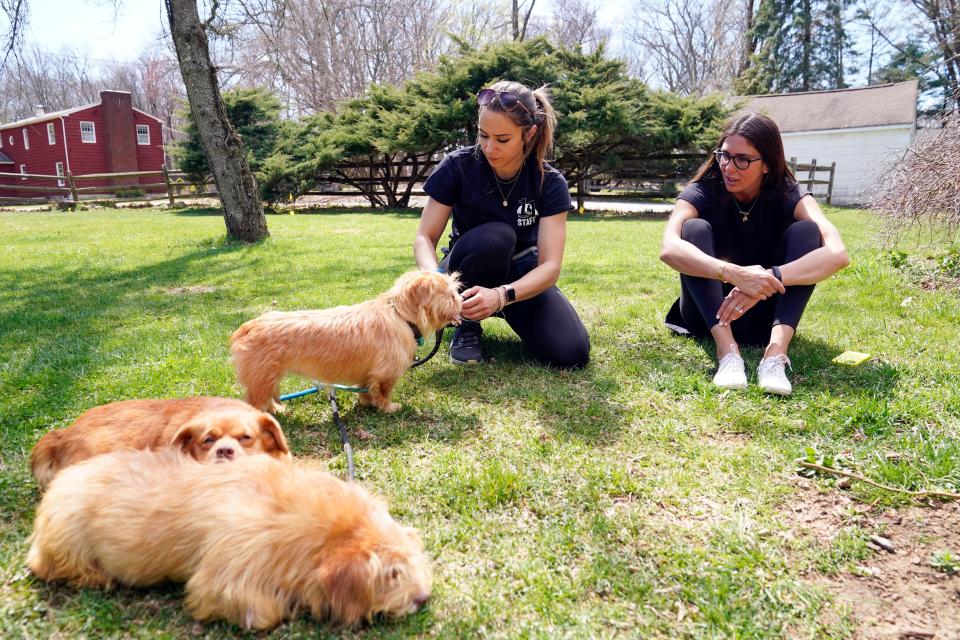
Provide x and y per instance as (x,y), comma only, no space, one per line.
(628,499)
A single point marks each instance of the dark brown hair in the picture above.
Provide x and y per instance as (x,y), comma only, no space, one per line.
(541,113)
(764,135)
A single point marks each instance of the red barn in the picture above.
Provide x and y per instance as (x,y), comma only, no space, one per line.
(105,137)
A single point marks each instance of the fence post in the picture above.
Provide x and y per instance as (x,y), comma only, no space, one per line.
(833,168)
(793,165)
(813,175)
(73,188)
(166,179)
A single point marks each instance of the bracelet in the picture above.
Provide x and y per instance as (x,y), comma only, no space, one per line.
(503,300)
(440,270)
(720,276)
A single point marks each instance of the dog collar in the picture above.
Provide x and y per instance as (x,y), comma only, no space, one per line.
(416,330)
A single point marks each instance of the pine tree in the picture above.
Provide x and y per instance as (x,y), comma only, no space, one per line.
(800,46)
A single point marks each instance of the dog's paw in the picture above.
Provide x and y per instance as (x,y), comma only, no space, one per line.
(392,407)
(276,407)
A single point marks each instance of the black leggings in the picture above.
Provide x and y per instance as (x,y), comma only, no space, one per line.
(700,298)
(547,324)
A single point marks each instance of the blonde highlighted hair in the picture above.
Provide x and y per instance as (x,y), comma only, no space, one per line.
(539,111)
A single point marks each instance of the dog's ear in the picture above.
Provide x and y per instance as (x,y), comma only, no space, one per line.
(424,294)
(185,436)
(272,435)
(347,579)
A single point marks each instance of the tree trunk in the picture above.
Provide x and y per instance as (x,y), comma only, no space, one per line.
(806,45)
(520,28)
(749,41)
(242,210)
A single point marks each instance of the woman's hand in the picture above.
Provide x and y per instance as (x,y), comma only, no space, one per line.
(754,281)
(734,306)
(479,303)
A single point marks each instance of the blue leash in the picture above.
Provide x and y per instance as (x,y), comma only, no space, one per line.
(332,391)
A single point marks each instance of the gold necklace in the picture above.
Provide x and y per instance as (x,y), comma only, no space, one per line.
(746,214)
(496,180)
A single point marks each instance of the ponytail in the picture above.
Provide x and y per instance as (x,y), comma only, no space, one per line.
(546,120)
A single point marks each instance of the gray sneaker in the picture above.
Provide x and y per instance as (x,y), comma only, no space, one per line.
(465,346)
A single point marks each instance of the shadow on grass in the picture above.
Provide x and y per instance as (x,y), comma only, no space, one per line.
(117,607)
(310,430)
(568,403)
(162,609)
(610,215)
(812,369)
(816,371)
(199,212)
(58,323)
(412,212)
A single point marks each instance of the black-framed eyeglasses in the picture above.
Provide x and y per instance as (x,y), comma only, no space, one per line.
(740,162)
(507,100)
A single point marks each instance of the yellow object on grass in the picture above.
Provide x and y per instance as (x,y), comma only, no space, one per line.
(852,358)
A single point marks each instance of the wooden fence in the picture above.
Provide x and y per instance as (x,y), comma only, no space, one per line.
(806,174)
(126,185)
(360,179)
(669,186)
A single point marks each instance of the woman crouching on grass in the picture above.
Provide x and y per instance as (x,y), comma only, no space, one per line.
(509,211)
(749,246)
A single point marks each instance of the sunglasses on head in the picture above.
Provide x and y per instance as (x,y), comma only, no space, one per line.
(508,101)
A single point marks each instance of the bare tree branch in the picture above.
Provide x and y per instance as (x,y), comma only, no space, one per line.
(691,47)
(574,23)
(18,16)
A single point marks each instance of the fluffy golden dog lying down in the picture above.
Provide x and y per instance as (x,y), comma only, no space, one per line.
(208,429)
(369,344)
(256,541)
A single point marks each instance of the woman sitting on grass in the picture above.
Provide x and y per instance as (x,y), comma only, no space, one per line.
(509,212)
(749,246)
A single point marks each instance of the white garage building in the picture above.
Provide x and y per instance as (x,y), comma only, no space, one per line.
(859,129)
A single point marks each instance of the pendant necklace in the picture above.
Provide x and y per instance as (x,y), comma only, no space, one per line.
(496,180)
(746,214)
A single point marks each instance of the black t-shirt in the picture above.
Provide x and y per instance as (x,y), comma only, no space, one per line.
(754,241)
(465,181)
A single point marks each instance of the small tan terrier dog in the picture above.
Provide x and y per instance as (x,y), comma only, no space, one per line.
(257,541)
(368,345)
(210,430)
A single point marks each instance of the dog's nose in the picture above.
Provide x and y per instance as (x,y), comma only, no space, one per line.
(421,600)
(226,452)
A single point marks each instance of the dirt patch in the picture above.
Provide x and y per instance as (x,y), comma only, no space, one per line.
(186,291)
(896,594)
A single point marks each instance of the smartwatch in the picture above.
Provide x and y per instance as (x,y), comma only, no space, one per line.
(511,294)
(777,274)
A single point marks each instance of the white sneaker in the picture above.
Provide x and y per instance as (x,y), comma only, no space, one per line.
(772,375)
(730,372)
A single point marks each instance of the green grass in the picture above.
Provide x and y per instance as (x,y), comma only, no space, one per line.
(629,498)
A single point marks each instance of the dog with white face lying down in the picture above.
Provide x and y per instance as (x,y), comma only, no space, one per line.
(369,344)
(208,429)
(256,541)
